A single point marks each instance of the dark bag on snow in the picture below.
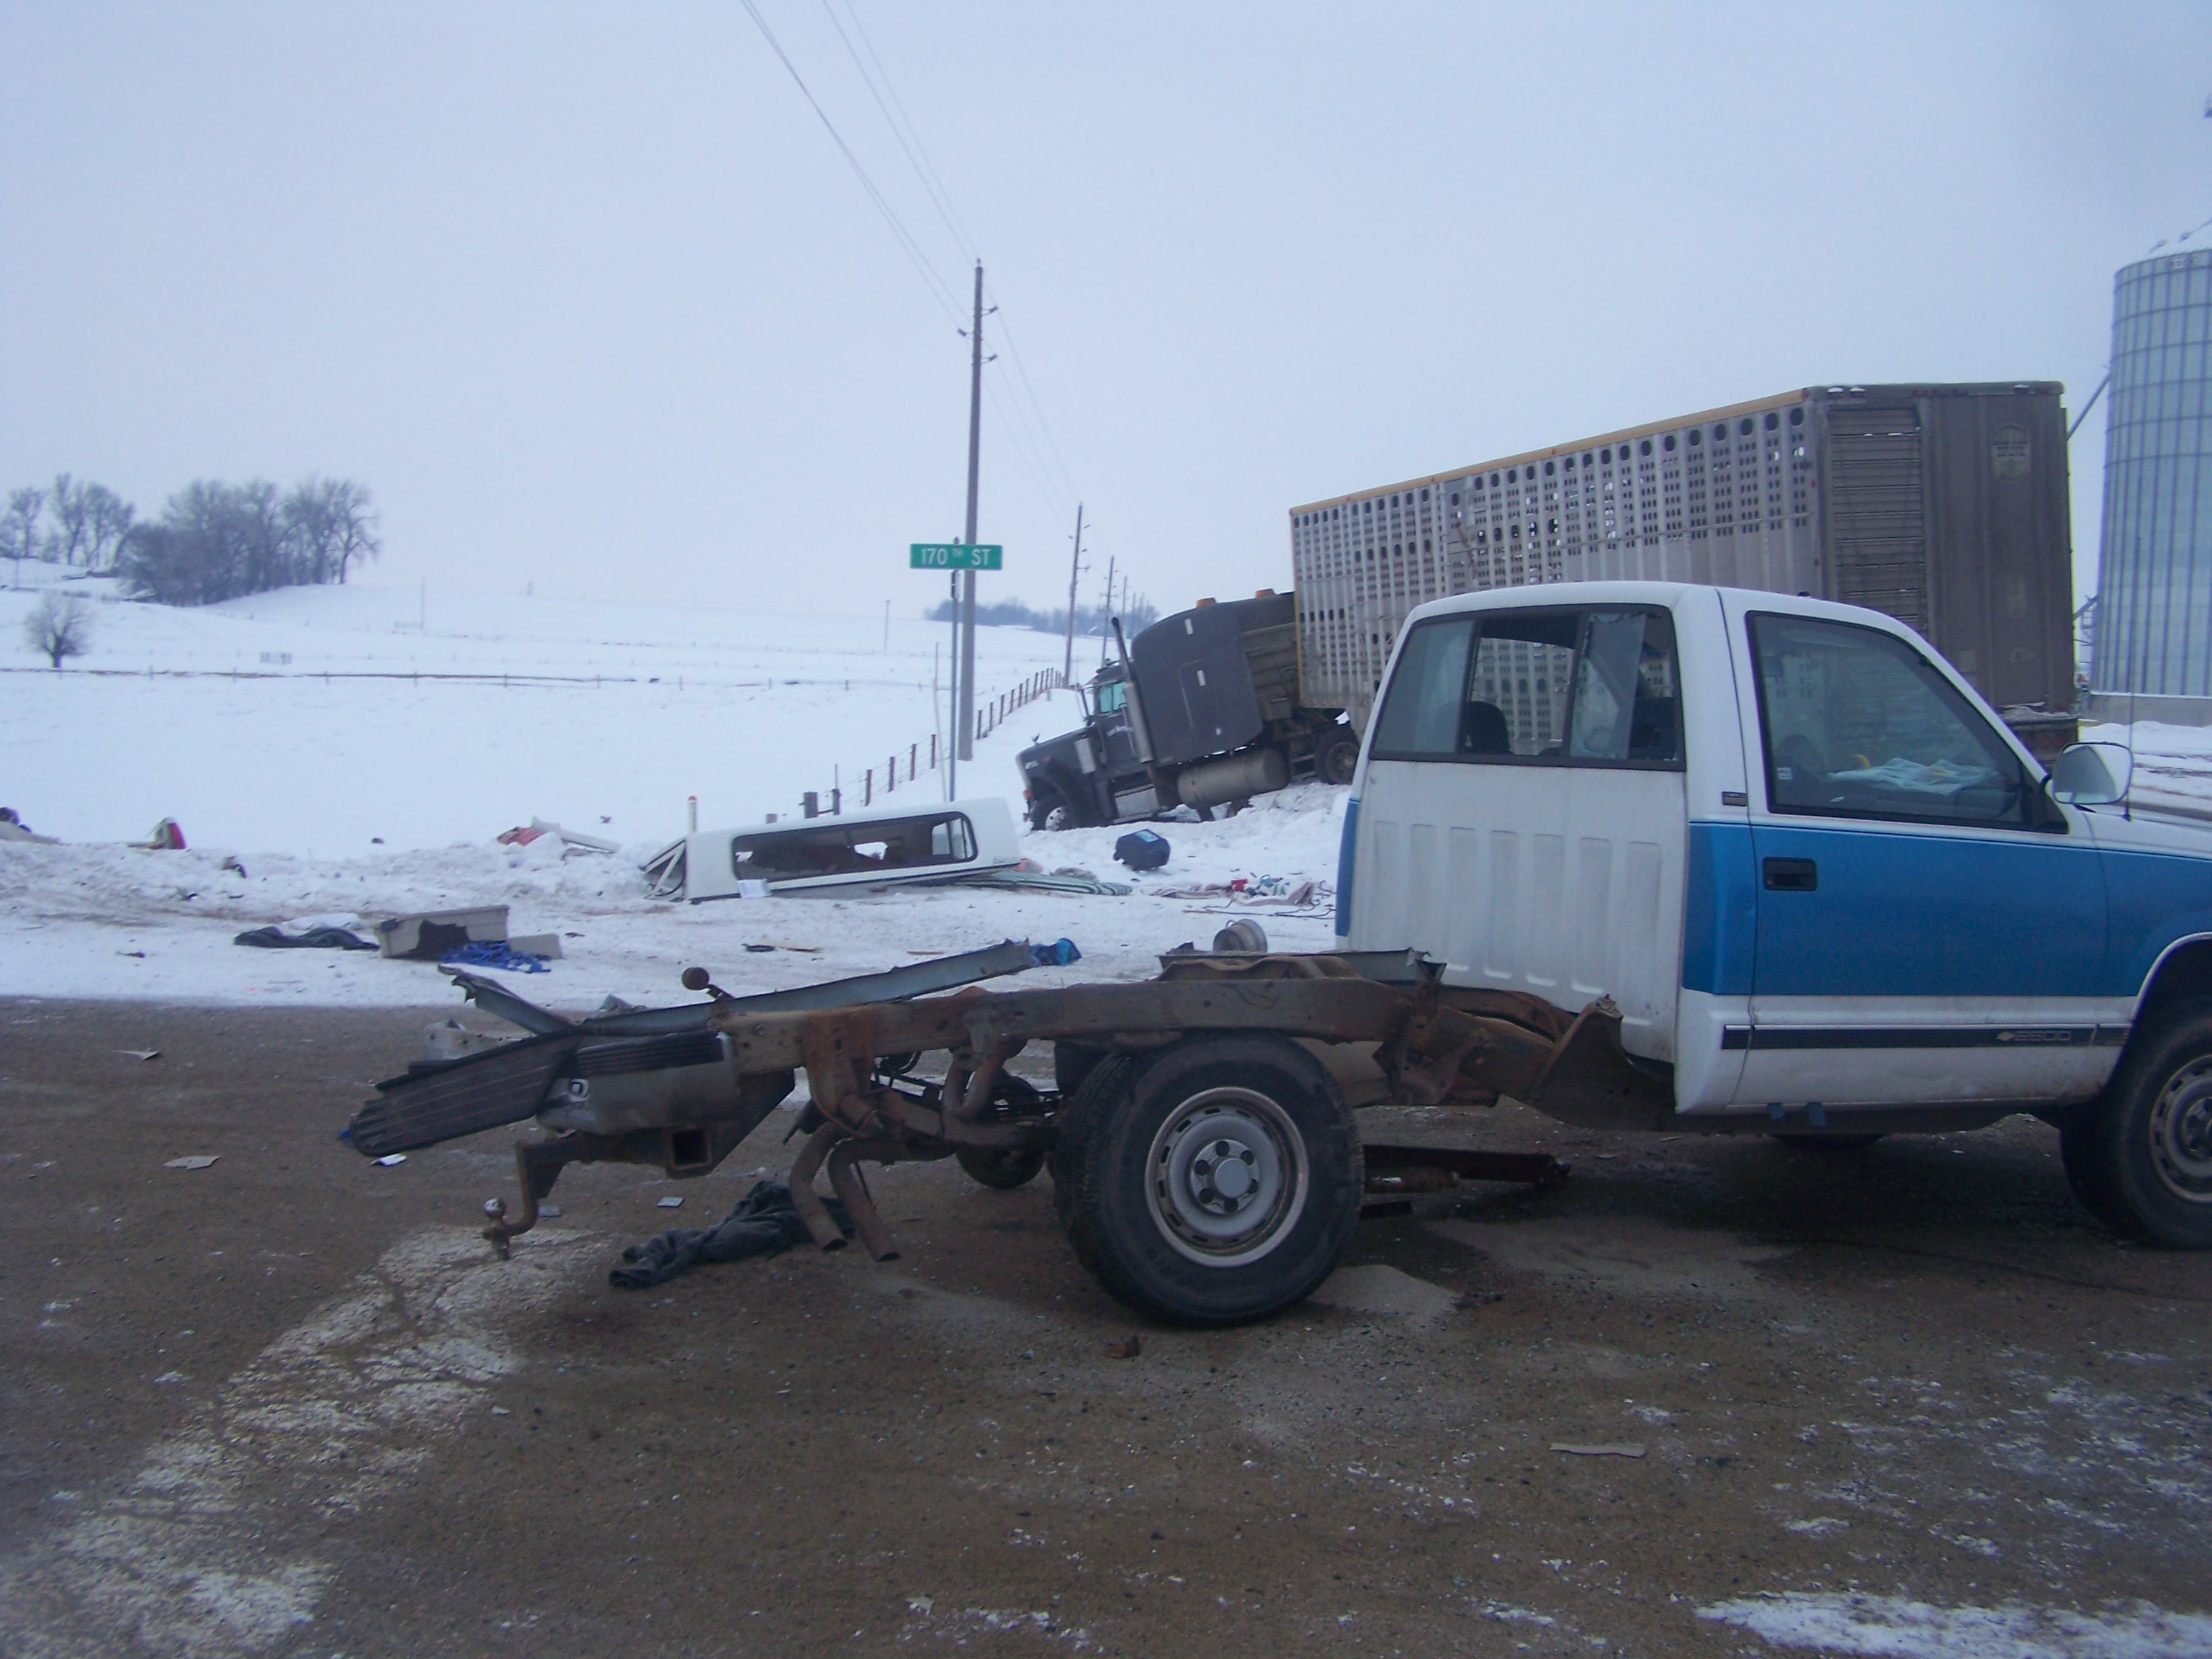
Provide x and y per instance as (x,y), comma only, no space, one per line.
(1142,850)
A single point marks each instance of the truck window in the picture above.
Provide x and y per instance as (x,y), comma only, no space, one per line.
(1857,724)
(1421,717)
(1112,695)
(1627,706)
(1516,697)
(1557,687)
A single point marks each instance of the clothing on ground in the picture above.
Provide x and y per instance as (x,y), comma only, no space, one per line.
(765,1223)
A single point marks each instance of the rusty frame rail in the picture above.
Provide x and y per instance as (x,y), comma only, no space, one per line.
(1436,1044)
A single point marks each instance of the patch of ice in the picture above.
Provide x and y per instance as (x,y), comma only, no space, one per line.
(1891,1627)
(186,1560)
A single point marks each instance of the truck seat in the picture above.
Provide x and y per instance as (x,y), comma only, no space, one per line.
(1484,732)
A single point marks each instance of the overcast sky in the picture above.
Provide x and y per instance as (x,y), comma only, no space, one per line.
(588,297)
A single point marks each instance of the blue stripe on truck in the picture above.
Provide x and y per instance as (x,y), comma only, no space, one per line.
(1345,848)
(1720,912)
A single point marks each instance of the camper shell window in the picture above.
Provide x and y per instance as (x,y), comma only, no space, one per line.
(827,847)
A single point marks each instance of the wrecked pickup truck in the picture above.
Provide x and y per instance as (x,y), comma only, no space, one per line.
(1638,855)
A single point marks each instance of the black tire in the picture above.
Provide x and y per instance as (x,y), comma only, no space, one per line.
(1001,1168)
(1336,756)
(1070,1065)
(1798,1143)
(1147,1139)
(2139,1157)
(1051,810)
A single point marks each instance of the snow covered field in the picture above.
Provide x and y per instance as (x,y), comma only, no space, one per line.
(608,718)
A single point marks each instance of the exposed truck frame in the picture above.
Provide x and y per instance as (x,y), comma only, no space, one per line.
(1236,1075)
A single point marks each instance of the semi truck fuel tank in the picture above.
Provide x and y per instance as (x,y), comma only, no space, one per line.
(1238,777)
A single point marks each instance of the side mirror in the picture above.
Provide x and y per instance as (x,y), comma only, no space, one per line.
(2093,774)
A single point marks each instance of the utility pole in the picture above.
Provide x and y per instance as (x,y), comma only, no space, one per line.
(952,694)
(1074,576)
(966,673)
(1106,627)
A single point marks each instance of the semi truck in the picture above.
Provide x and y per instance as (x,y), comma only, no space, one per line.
(1202,709)
(1638,855)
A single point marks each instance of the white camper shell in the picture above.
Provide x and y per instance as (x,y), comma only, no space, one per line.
(878,847)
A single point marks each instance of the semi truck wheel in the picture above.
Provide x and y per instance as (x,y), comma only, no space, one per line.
(1214,1181)
(1050,811)
(1336,757)
(2140,1155)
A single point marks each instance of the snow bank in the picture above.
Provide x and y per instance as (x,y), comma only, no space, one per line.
(101,921)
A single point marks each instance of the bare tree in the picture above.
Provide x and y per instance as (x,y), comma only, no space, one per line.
(333,523)
(58,627)
(108,519)
(19,527)
(65,542)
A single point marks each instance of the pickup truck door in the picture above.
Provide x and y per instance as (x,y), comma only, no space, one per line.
(1521,812)
(1930,923)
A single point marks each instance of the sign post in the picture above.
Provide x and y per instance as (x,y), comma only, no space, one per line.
(963,560)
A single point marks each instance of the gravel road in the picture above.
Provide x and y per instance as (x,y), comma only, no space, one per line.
(1906,1400)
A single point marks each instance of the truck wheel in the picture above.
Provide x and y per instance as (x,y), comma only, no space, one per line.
(1050,811)
(1000,1167)
(1070,1065)
(2140,1155)
(1214,1181)
(1336,757)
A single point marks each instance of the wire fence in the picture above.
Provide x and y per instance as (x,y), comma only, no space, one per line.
(926,755)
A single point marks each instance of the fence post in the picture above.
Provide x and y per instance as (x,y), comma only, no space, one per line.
(913,753)
(868,787)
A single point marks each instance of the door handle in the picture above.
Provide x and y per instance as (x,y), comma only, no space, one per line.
(1791,876)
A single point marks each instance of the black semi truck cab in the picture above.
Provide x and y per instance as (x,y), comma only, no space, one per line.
(1202,710)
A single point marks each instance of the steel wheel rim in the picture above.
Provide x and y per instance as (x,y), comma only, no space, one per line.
(1227,1177)
(1056,815)
(2181,1133)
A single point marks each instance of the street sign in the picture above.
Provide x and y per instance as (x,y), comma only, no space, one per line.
(956,555)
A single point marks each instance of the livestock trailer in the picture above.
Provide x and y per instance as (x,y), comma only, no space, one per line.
(1944,506)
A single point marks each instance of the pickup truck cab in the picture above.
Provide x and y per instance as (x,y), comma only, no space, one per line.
(1830,894)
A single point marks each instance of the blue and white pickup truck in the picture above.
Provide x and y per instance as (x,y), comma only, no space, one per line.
(1830,894)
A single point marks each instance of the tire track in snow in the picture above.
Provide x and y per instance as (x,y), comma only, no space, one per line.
(192,1557)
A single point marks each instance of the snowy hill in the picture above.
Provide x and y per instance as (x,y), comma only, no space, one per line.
(322,719)
(356,762)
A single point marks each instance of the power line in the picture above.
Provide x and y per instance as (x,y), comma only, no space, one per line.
(917,156)
(1020,413)
(925,170)
(1037,404)
(936,285)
